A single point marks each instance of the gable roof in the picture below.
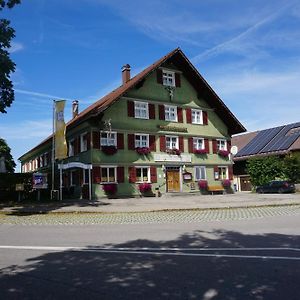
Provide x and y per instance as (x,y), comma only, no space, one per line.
(178,58)
(277,140)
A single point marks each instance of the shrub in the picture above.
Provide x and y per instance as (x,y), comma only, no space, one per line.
(202,184)
(223,153)
(145,187)
(110,189)
(226,183)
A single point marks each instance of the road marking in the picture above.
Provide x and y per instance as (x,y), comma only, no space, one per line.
(162,251)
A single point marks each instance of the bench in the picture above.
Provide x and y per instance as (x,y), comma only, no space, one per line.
(215,189)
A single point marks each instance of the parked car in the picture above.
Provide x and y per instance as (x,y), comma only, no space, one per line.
(276,186)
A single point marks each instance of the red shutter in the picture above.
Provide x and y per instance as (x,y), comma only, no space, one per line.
(215,146)
(177,80)
(161,112)
(159,76)
(120,140)
(151,111)
(191,145)
(228,145)
(75,146)
(38,162)
(132,174)
(179,115)
(152,144)
(96,174)
(153,174)
(120,174)
(96,140)
(130,108)
(206,143)
(230,172)
(205,119)
(88,141)
(131,142)
(162,143)
(188,115)
(181,146)
(78,144)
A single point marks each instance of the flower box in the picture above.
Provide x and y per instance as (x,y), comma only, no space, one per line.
(223,153)
(109,150)
(226,183)
(110,189)
(202,184)
(143,150)
(173,151)
(145,187)
(200,151)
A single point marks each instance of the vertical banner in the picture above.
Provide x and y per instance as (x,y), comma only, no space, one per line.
(60,130)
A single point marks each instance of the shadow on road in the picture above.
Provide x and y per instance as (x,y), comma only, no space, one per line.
(123,275)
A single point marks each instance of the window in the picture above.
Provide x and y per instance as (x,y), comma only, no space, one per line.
(45,159)
(200,173)
(71,148)
(168,78)
(83,142)
(108,138)
(222,144)
(223,173)
(171,113)
(198,143)
(197,117)
(108,174)
(141,140)
(141,110)
(172,142)
(143,174)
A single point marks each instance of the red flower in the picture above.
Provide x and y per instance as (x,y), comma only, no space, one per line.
(202,184)
(173,151)
(223,153)
(200,151)
(226,183)
(142,150)
(145,187)
(110,188)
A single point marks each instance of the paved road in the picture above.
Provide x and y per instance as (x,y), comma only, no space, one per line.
(251,258)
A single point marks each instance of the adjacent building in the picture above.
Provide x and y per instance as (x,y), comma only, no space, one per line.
(164,129)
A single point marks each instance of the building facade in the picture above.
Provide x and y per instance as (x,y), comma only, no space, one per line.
(164,129)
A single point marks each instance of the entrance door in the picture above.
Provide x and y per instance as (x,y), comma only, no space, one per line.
(173,181)
(246,184)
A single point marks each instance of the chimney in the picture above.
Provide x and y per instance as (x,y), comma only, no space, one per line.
(125,73)
(74,109)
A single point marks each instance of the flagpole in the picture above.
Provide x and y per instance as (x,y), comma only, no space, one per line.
(53,147)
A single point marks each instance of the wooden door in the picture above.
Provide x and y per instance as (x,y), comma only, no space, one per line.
(246,184)
(173,181)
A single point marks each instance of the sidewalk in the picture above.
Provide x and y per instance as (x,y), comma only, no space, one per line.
(168,202)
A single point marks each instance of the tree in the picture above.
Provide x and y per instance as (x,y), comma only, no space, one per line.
(7,66)
(8,159)
(292,167)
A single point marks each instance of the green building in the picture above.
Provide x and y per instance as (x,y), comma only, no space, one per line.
(162,131)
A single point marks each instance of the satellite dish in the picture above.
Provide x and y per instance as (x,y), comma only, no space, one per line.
(234,150)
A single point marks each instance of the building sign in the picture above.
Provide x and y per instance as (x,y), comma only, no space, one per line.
(39,181)
(187,176)
(172,128)
(172,158)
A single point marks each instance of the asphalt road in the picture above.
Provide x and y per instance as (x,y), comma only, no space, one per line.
(245,259)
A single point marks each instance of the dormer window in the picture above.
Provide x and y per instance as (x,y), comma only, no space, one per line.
(168,78)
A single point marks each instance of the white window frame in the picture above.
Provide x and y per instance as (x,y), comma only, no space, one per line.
(170,137)
(138,143)
(115,171)
(196,145)
(196,120)
(107,141)
(137,110)
(148,174)
(219,141)
(203,168)
(83,137)
(168,78)
(168,113)
(221,175)
(71,148)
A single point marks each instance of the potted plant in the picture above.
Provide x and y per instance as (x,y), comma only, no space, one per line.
(145,188)
(203,185)
(109,150)
(223,153)
(226,183)
(200,151)
(173,151)
(142,150)
(110,189)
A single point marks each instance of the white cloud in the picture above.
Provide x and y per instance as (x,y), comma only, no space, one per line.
(38,94)
(15,47)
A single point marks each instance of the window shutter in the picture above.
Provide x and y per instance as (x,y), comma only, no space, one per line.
(206,145)
(49,157)
(153,174)
(179,115)
(130,108)
(75,146)
(215,146)
(216,170)
(230,172)
(159,76)
(191,145)
(188,115)
(78,144)
(131,142)
(161,112)
(96,140)
(120,174)
(88,141)
(177,80)
(38,162)
(181,145)
(120,140)
(205,118)
(151,111)
(96,174)
(228,145)
(152,144)
(132,174)
(162,140)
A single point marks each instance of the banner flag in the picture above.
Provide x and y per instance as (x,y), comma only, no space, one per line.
(60,130)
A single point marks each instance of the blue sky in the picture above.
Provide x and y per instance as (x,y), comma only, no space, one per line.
(248,51)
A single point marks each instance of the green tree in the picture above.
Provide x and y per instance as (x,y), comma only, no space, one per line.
(263,170)
(7,66)
(5,152)
(292,167)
